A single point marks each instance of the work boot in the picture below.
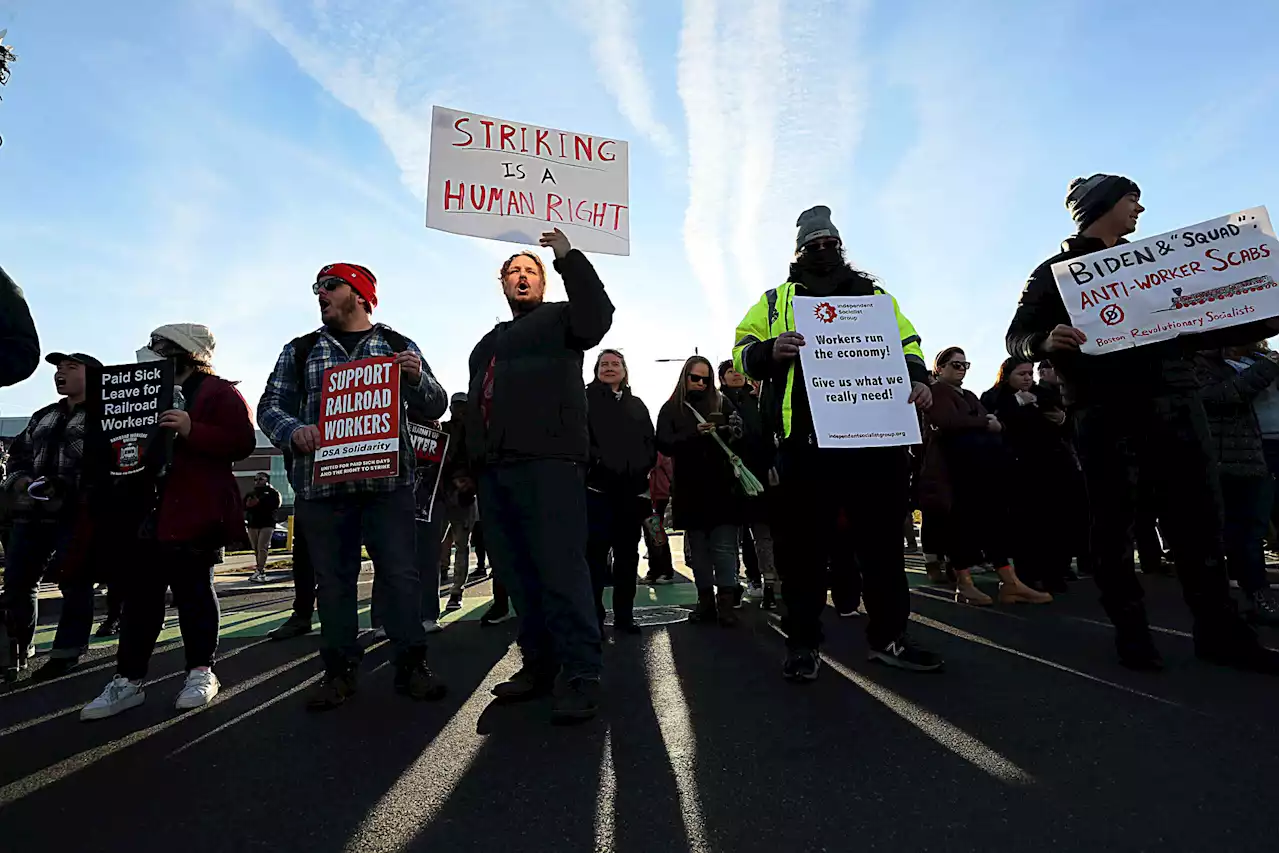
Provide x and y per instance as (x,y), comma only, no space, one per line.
(415,679)
(967,593)
(726,602)
(529,682)
(339,685)
(109,628)
(577,702)
(1014,591)
(936,573)
(1226,640)
(705,610)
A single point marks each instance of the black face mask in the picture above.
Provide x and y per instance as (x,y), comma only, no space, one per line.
(822,261)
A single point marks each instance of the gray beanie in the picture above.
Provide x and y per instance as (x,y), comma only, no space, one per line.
(1089,199)
(815,223)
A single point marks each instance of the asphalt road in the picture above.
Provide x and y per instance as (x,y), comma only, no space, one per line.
(1033,739)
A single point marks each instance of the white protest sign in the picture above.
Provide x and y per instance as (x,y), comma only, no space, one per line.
(503,180)
(854,372)
(1213,275)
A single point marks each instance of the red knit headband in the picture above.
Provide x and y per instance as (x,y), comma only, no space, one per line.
(360,279)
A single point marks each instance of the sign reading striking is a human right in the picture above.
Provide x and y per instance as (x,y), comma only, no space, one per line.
(359,421)
(1219,273)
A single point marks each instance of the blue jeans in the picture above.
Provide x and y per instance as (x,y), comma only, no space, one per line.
(426,547)
(714,556)
(1247,506)
(33,544)
(335,528)
(535,518)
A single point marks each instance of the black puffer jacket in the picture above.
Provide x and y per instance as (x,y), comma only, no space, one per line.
(622,441)
(1147,371)
(1228,397)
(19,345)
(539,408)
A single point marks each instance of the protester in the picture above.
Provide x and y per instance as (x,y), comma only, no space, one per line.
(193,508)
(706,498)
(757,451)
(1032,424)
(622,455)
(661,571)
(260,507)
(337,518)
(1136,409)
(44,483)
(19,344)
(527,437)
(462,512)
(966,480)
(815,484)
(1231,380)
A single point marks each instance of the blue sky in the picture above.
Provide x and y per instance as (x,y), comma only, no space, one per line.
(199,161)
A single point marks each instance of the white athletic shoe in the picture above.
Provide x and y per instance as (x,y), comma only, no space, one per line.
(202,685)
(380,634)
(431,626)
(754,591)
(120,694)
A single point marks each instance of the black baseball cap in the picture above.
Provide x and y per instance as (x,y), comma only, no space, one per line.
(56,358)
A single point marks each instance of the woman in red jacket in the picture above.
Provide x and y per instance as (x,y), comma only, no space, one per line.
(196,511)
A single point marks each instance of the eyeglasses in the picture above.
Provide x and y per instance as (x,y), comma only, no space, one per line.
(817,245)
(331,284)
(958,365)
(696,379)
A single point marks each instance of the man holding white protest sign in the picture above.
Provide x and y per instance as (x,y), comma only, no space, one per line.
(842,432)
(359,380)
(1136,408)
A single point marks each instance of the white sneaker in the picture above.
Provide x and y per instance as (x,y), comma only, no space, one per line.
(120,694)
(202,685)
(431,626)
(380,634)
(258,577)
(755,590)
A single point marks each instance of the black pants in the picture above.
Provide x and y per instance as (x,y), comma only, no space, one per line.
(660,555)
(1145,528)
(1163,441)
(537,535)
(477,544)
(870,485)
(304,576)
(844,574)
(613,524)
(189,573)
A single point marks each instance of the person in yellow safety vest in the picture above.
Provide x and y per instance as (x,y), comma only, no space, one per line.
(869,483)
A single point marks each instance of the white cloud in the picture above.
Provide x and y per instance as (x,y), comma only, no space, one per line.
(617,58)
(772,101)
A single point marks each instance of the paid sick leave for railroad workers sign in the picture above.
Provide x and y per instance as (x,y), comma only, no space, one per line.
(1213,275)
(854,372)
(359,421)
(510,181)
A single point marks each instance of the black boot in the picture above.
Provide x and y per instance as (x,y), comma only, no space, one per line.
(1134,645)
(529,682)
(726,602)
(705,611)
(415,679)
(1223,638)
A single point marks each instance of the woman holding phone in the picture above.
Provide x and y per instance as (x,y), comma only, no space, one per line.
(706,500)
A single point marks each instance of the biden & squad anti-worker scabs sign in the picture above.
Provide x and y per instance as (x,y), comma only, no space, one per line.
(1219,273)
(510,181)
(359,421)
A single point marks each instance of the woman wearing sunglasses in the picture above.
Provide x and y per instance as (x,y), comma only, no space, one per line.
(706,500)
(964,480)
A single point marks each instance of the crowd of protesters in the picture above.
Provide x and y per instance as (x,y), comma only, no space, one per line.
(1048,475)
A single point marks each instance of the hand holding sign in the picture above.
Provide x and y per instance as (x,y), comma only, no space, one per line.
(307,438)
(410,366)
(787,346)
(176,420)
(1063,338)
(921,395)
(557,241)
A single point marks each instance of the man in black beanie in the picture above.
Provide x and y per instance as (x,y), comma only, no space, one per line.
(1138,416)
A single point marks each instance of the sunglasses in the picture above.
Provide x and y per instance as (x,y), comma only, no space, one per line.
(959,365)
(330,284)
(696,379)
(817,245)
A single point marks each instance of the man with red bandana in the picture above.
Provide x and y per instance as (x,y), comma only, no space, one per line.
(337,518)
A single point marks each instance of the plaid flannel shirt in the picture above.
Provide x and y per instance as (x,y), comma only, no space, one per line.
(278,410)
(35,454)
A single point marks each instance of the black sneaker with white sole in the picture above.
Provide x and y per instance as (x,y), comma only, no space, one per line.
(801,665)
(904,654)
